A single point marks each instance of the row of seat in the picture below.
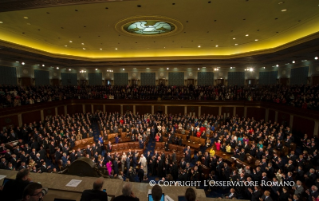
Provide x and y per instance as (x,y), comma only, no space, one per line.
(193,142)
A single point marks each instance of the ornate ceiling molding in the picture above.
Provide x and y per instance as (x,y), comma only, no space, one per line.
(12,5)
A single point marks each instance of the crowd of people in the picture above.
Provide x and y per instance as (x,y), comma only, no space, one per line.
(262,140)
(306,97)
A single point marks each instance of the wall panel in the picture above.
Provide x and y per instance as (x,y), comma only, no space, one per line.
(8,121)
(257,113)
(61,110)
(159,109)
(41,77)
(240,111)
(30,117)
(236,78)
(113,109)
(49,112)
(205,78)
(144,109)
(88,108)
(175,110)
(95,78)
(98,107)
(209,110)
(227,110)
(283,118)
(303,126)
(271,115)
(69,79)
(148,79)
(8,75)
(299,76)
(120,79)
(192,109)
(268,78)
(127,108)
(176,78)
(72,109)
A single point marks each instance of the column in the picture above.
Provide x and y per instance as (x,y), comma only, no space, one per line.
(65,110)
(185,109)
(315,131)
(134,109)
(56,111)
(42,115)
(276,116)
(234,111)
(92,108)
(245,111)
(291,121)
(219,111)
(152,109)
(121,109)
(199,110)
(20,120)
(165,109)
(103,108)
(83,108)
(267,114)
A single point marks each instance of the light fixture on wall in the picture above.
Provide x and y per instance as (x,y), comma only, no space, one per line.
(69,69)
(57,68)
(277,65)
(316,58)
(22,63)
(96,69)
(43,65)
(293,62)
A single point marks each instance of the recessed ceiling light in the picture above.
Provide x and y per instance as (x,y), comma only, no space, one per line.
(293,62)
(1,22)
(198,69)
(256,39)
(283,10)
(43,65)
(26,18)
(82,43)
(66,45)
(247,35)
(70,41)
(316,58)
(115,48)
(236,44)
(83,48)
(216,46)
(199,46)
(234,38)
(100,48)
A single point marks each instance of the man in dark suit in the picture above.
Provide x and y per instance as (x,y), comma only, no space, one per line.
(96,193)
(255,194)
(13,189)
(140,173)
(266,196)
(127,195)
(232,194)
